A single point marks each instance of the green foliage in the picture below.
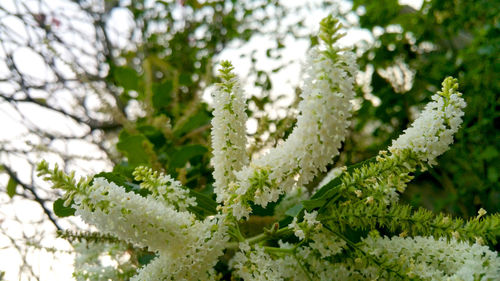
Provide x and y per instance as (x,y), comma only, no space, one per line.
(186,153)
(11,187)
(61,210)
(61,180)
(399,219)
(135,147)
(205,205)
(126,77)
(145,258)
(162,94)
(371,178)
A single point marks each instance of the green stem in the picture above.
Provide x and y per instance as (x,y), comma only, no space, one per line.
(265,236)
(235,233)
(279,250)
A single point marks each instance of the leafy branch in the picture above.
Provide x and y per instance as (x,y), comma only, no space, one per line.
(407,221)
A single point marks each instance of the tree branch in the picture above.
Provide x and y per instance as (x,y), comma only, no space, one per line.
(37,198)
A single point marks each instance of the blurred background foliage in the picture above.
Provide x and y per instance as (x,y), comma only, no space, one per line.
(139,98)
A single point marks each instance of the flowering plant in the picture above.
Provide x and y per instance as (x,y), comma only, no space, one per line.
(351,228)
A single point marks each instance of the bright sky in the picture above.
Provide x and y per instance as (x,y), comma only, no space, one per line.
(61,268)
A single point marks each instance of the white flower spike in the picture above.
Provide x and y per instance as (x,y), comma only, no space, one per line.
(432,133)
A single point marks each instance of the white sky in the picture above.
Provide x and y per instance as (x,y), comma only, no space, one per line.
(30,63)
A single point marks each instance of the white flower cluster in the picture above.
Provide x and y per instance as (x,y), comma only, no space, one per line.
(432,259)
(423,258)
(201,251)
(289,262)
(326,244)
(432,133)
(176,236)
(164,188)
(307,225)
(321,127)
(228,132)
(142,221)
(257,265)
(320,240)
(303,263)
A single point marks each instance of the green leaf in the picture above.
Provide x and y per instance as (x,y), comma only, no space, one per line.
(186,153)
(62,211)
(205,206)
(162,94)
(11,187)
(133,147)
(126,77)
(185,79)
(111,177)
(145,258)
(489,153)
(295,210)
(154,135)
(493,174)
(124,169)
(199,119)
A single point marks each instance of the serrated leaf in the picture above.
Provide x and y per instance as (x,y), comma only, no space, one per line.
(11,187)
(186,153)
(62,211)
